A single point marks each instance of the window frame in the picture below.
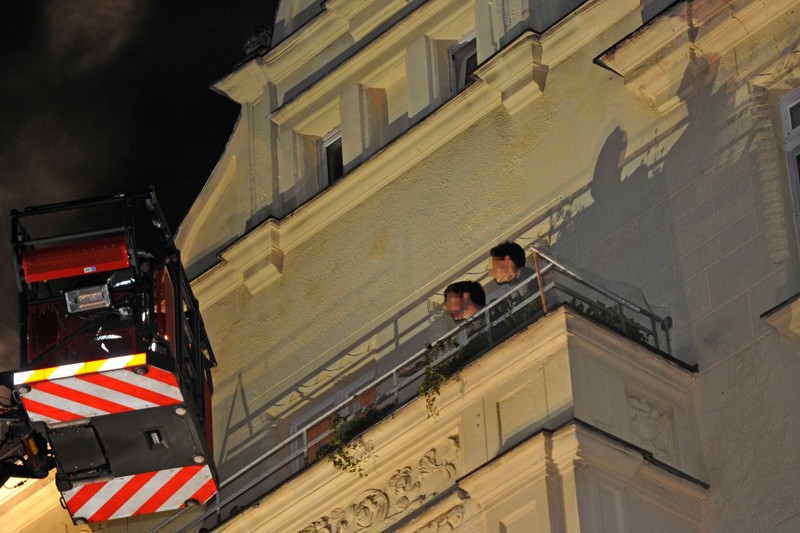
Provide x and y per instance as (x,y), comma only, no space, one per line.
(791,139)
(327,141)
(459,56)
(791,136)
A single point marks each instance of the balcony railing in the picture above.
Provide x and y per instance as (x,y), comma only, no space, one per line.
(551,286)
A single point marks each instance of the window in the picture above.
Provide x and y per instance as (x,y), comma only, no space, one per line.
(331,164)
(790,118)
(317,429)
(790,114)
(463,62)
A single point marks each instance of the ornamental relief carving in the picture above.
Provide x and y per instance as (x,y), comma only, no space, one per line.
(409,488)
(653,425)
(445,523)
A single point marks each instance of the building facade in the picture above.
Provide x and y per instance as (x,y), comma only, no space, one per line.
(648,149)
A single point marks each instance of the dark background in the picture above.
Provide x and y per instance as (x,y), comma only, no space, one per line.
(106,96)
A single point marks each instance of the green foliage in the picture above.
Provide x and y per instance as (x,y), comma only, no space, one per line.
(609,316)
(341,450)
(435,375)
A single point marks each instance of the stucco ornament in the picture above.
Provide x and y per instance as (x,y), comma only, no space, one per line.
(407,489)
(652,424)
(446,522)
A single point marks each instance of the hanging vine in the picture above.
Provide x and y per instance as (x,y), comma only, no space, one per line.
(341,450)
(436,375)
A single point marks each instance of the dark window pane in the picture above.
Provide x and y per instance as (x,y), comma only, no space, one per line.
(472,64)
(794,114)
(464,62)
(335,165)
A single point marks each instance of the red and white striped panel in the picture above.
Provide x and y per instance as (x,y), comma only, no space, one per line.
(138,494)
(90,395)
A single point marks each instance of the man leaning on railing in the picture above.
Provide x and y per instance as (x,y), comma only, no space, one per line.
(462,301)
(508,269)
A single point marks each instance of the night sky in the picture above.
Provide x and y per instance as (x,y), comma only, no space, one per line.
(107,96)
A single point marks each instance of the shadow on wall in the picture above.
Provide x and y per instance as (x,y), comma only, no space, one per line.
(657,204)
(250,429)
(663,215)
(624,234)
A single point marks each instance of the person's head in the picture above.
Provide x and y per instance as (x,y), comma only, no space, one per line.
(463,299)
(507,259)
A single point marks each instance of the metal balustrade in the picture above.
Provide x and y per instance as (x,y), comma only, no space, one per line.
(551,286)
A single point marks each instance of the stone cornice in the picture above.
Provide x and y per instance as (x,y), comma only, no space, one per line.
(785,317)
(582,27)
(515,72)
(340,17)
(296,50)
(255,261)
(512,82)
(653,60)
(415,23)
(244,85)
(364,17)
(464,454)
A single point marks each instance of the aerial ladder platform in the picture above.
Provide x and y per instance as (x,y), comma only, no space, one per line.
(114,385)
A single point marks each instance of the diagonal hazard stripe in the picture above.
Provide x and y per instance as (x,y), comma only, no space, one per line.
(162,376)
(190,487)
(115,363)
(40,411)
(75,369)
(205,493)
(90,395)
(62,371)
(130,389)
(169,489)
(141,493)
(97,391)
(122,495)
(82,495)
(57,402)
(96,402)
(164,382)
(148,489)
(100,497)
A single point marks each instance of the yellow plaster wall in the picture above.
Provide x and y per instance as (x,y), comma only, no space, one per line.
(662,194)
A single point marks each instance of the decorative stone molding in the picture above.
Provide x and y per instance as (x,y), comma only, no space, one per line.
(516,74)
(258,258)
(255,260)
(446,522)
(409,488)
(662,61)
(362,21)
(215,284)
(653,425)
(785,317)
(770,177)
(244,85)
(283,61)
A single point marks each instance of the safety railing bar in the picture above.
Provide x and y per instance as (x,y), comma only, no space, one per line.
(483,312)
(585,299)
(593,302)
(401,382)
(338,407)
(74,236)
(527,301)
(591,285)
